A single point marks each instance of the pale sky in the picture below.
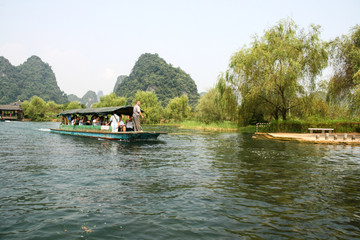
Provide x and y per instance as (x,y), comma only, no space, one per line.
(89,43)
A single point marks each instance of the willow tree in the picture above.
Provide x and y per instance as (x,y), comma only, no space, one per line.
(278,67)
(344,86)
(178,108)
(218,104)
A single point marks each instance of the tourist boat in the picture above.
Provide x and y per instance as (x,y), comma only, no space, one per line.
(104,132)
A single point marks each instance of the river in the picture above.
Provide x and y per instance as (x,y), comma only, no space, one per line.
(185,185)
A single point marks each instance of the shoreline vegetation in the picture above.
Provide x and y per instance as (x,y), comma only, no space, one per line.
(214,126)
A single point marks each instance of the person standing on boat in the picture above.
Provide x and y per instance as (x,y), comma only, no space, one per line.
(136,117)
(114,121)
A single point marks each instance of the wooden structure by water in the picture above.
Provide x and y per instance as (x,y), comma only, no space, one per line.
(11,112)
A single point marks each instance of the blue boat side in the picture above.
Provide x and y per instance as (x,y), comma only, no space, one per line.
(108,134)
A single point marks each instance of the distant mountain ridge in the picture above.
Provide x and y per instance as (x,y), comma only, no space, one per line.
(32,78)
(88,99)
(152,73)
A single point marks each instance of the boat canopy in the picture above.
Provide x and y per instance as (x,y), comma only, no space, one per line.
(126,110)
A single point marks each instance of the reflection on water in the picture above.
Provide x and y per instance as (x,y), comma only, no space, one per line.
(188,184)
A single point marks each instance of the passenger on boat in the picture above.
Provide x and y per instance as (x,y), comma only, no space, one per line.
(129,124)
(106,121)
(63,120)
(92,120)
(77,120)
(114,121)
(122,127)
(136,114)
(96,121)
(81,122)
(87,121)
(73,120)
(84,121)
(102,120)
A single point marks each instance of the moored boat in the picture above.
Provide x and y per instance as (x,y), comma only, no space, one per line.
(101,131)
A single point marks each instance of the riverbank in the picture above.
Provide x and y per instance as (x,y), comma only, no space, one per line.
(225,126)
(317,138)
(214,126)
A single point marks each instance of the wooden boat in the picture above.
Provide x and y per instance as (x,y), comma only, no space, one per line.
(104,132)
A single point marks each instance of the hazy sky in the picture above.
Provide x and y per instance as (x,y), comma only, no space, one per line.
(89,43)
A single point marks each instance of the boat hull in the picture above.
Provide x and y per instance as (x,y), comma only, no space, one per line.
(110,135)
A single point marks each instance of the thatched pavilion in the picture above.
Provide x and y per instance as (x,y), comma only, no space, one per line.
(11,112)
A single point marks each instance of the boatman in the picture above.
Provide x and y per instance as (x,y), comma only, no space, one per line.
(136,117)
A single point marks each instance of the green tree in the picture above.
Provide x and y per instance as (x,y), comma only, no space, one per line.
(344,86)
(226,99)
(52,109)
(178,109)
(278,67)
(150,105)
(110,100)
(207,110)
(218,104)
(35,109)
(313,105)
(73,105)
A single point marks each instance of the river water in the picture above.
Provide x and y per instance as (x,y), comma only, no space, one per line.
(185,185)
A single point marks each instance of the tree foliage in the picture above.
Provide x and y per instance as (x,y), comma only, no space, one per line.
(278,68)
(110,100)
(207,110)
(226,99)
(178,109)
(218,104)
(152,73)
(344,86)
(38,110)
(151,106)
(35,109)
(119,80)
(73,105)
(52,109)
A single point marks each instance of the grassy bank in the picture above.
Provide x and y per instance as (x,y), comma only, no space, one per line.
(216,126)
(299,126)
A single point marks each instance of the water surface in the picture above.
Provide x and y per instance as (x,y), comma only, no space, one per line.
(185,185)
